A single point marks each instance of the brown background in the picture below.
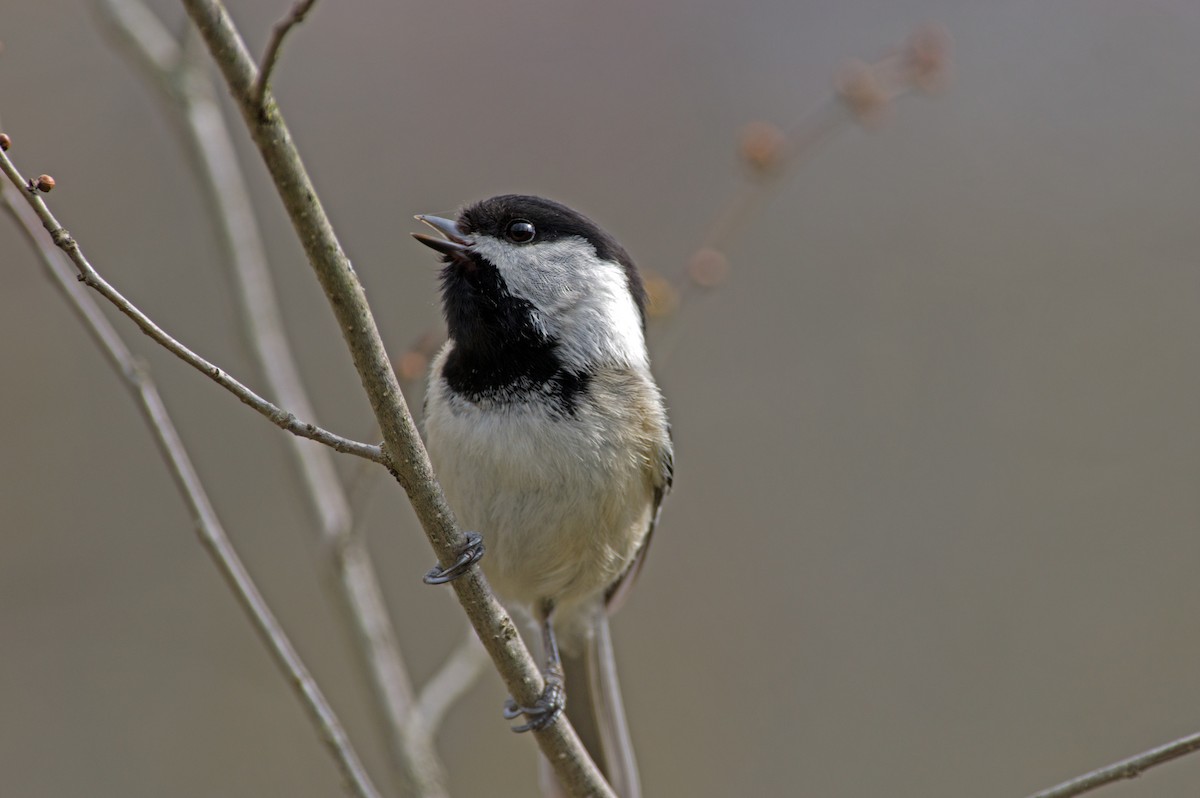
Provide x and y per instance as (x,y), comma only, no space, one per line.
(935,524)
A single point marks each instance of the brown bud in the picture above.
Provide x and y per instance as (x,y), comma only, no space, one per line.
(412,365)
(927,57)
(44,183)
(5,142)
(859,88)
(429,342)
(761,145)
(662,297)
(708,268)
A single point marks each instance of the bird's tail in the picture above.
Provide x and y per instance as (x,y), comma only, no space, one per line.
(596,712)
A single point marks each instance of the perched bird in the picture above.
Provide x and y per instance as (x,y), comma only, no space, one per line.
(550,438)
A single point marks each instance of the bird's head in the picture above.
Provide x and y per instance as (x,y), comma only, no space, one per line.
(522,272)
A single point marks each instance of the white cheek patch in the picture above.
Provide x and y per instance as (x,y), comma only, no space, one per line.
(582,301)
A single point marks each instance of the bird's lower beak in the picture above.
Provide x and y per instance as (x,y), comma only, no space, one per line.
(452,244)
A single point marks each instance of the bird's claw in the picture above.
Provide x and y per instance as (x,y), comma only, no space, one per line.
(544,711)
(472,552)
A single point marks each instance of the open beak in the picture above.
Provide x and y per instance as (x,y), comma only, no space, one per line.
(453,242)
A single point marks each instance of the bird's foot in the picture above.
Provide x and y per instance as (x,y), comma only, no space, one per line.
(472,552)
(544,711)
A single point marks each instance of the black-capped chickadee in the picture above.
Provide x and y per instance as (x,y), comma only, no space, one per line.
(550,438)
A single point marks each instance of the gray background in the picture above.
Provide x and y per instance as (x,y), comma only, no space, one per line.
(934,529)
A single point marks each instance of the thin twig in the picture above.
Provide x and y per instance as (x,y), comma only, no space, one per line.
(294,17)
(455,677)
(864,93)
(189,95)
(208,526)
(88,275)
(408,460)
(1129,768)
(801,141)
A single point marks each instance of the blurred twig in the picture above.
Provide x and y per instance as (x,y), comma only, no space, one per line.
(863,93)
(1129,768)
(208,526)
(190,96)
(455,677)
(407,459)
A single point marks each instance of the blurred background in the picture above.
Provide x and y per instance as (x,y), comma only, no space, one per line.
(934,529)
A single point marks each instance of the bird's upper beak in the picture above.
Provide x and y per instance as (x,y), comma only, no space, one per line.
(452,244)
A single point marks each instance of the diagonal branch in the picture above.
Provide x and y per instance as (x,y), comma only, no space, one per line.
(280,30)
(190,96)
(1129,768)
(208,526)
(88,275)
(406,454)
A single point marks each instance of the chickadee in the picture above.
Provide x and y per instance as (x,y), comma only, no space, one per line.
(550,437)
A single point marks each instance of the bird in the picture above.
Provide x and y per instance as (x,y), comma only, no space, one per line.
(551,440)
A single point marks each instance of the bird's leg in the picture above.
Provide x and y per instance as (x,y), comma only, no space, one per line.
(472,552)
(553,699)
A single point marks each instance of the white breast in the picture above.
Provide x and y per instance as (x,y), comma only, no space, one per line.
(563,503)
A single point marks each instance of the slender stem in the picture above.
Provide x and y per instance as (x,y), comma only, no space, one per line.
(408,460)
(800,142)
(190,96)
(455,677)
(208,526)
(1129,768)
(88,275)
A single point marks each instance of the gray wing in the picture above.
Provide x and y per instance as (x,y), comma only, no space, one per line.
(619,590)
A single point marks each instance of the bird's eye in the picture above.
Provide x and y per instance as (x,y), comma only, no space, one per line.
(520,231)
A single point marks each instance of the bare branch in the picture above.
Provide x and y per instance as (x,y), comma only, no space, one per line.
(191,96)
(88,275)
(408,460)
(208,526)
(1129,768)
(294,17)
(455,677)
